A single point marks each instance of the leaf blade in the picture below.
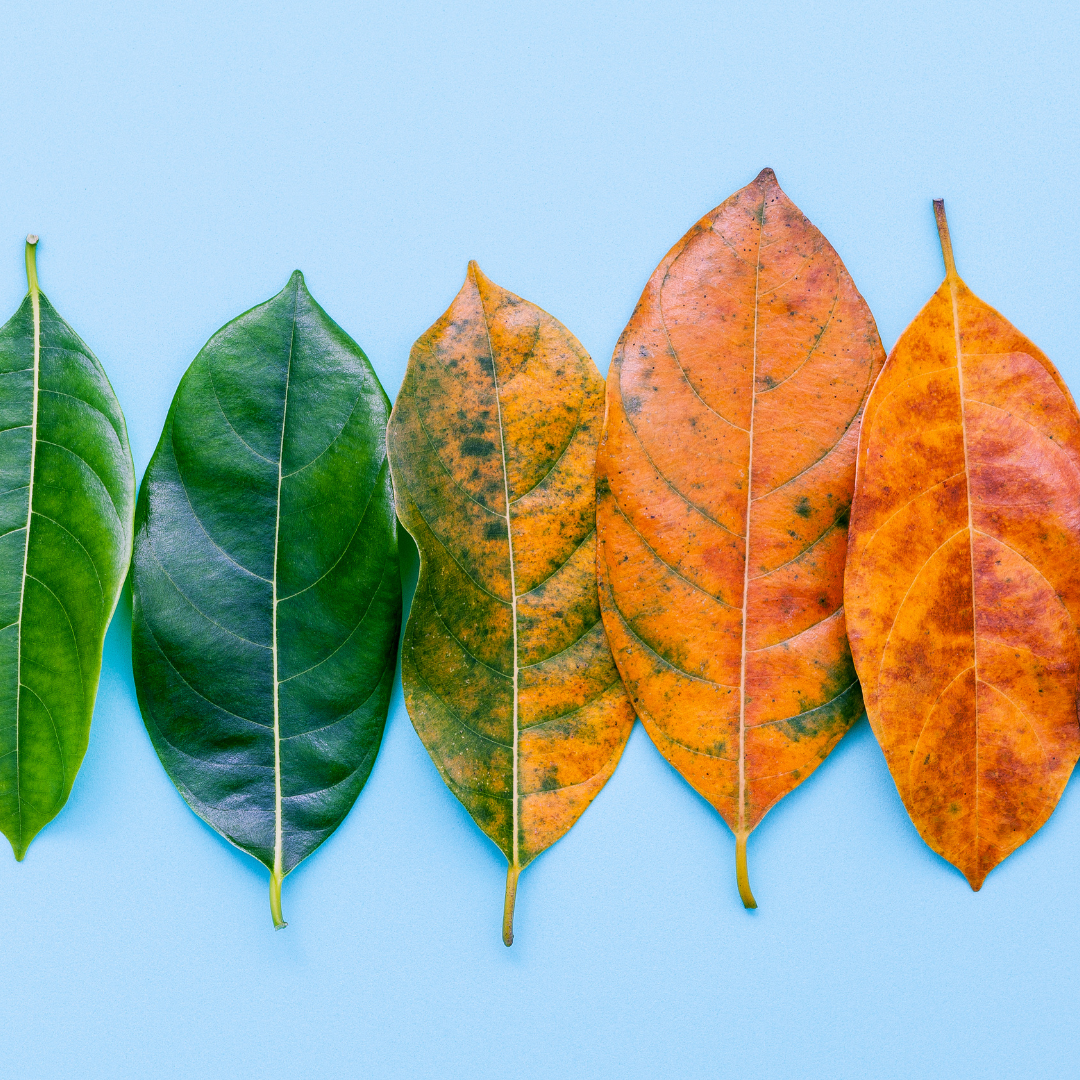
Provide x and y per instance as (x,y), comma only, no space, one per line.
(971,452)
(507,674)
(267,597)
(732,412)
(65,519)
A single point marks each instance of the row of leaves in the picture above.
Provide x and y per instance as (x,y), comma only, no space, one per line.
(783,527)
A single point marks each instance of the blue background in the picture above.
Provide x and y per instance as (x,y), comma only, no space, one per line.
(179,161)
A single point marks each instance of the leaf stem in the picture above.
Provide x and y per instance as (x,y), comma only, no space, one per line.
(742,875)
(31,264)
(946,240)
(275,899)
(512,872)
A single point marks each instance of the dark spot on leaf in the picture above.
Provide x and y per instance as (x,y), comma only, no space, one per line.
(474,447)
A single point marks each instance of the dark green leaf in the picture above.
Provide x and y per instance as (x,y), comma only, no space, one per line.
(65,464)
(267,600)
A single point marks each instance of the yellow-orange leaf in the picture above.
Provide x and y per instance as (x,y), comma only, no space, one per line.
(507,673)
(724,480)
(963,578)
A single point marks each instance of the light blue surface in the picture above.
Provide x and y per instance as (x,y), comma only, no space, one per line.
(179,161)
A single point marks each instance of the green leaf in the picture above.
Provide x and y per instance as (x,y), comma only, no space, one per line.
(65,465)
(267,598)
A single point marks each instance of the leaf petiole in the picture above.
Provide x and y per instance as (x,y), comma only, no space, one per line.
(508,904)
(31,264)
(742,875)
(275,900)
(946,240)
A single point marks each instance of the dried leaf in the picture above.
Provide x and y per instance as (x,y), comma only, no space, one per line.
(507,673)
(963,579)
(749,355)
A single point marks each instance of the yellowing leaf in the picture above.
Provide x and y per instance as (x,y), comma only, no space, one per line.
(963,578)
(725,475)
(507,673)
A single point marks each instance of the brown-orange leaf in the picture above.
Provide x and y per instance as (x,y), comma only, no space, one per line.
(724,481)
(963,578)
(507,673)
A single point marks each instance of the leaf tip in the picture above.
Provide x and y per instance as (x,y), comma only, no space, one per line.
(480,281)
(766,176)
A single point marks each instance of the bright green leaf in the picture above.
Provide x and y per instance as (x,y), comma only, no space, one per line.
(65,465)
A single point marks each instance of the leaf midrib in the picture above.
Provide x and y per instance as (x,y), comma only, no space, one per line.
(278,831)
(951,278)
(515,798)
(741,832)
(35,305)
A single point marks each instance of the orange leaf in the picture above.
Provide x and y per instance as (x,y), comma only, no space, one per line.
(507,673)
(732,424)
(963,579)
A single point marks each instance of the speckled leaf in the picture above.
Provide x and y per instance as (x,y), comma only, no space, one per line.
(724,480)
(267,600)
(64,465)
(507,673)
(963,579)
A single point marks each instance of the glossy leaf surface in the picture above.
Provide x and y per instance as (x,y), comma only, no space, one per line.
(65,465)
(724,481)
(507,673)
(963,580)
(267,599)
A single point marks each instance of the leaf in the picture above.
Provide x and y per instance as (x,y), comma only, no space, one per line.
(732,421)
(267,599)
(963,580)
(507,674)
(65,465)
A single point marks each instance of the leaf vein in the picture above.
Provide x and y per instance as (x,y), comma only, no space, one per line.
(196,608)
(330,655)
(168,660)
(94,471)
